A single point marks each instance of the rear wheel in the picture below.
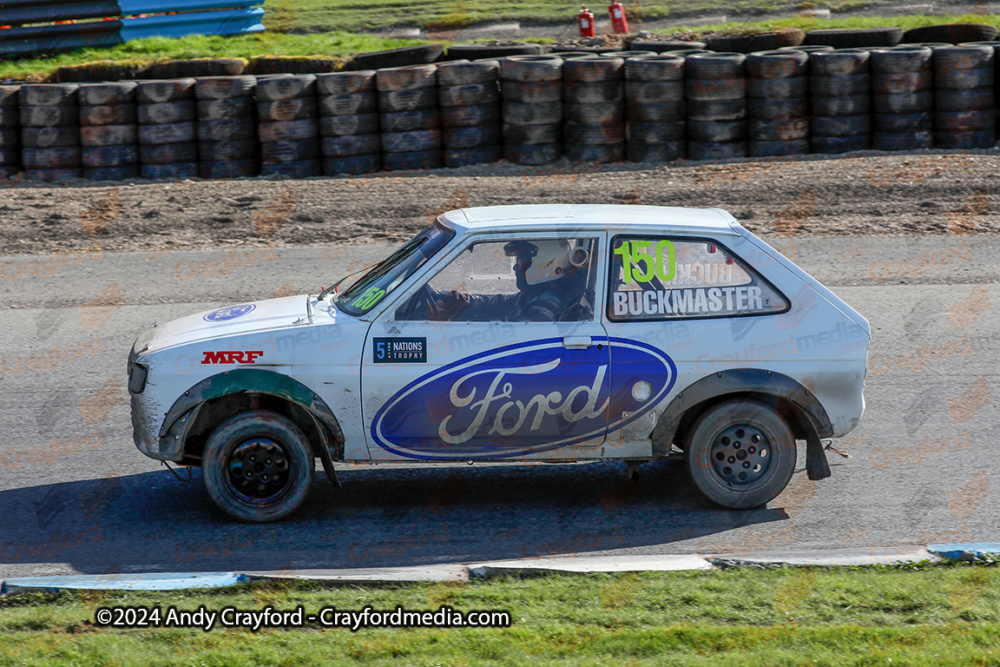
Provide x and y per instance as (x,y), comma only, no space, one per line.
(257,466)
(740,454)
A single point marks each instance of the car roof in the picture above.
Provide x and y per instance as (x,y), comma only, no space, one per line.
(590,216)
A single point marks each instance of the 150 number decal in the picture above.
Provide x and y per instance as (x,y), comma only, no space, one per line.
(642,266)
(371,296)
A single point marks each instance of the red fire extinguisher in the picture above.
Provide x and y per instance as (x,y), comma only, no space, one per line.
(586,21)
(619,24)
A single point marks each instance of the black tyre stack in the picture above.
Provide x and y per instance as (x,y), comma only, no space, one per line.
(964,112)
(715,89)
(227,129)
(469,97)
(531,87)
(10,133)
(168,131)
(655,108)
(348,122)
(839,84)
(287,126)
(593,93)
(996,77)
(902,98)
(409,117)
(778,103)
(50,131)
(109,132)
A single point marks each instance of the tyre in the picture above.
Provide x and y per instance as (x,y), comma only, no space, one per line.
(662,46)
(347,105)
(48,94)
(345,83)
(653,112)
(224,87)
(577,92)
(839,86)
(336,126)
(465,73)
(903,103)
(954,33)
(531,68)
(464,157)
(967,56)
(166,113)
(963,100)
(171,171)
(964,121)
(224,130)
(10,156)
(228,169)
(979,139)
(624,55)
(665,152)
(10,96)
(226,109)
(50,137)
(197,67)
(777,130)
(903,141)
(292,65)
(407,55)
(413,77)
(740,454)
(906,82)
(593,70)
(532,114)
(55,175)
(257,466)
(299,108)
(533,155)
(217,151)
(461,138)
(530,92)
(468,94)
(531,135)
(58,157)
(604,153)
(777,148)
(646,92)
(10,137)
(655,68)
(110,135)
(576,134)
(186,152)
(907,122)
(963,79)
(356,164)
(901,59)
(112,114)
(854,39)
(778,89)
(10,117)
(108,156)
(594,114)
(286,88)
(119,173)
(716,66)
(717,110)
(292,168)
(843,126)
(743,43)
(815,48)
(407,100)
(358,144)
(842,62)
(411,142)
(289,130)
(778,109)
(777,64)
(848,105)
(706,150)
(48,116)
(158,92)
(429,159)
(709,90)
(485,114)
(655,133)
(480,51)
(112,93)
(289,151)
(717,131)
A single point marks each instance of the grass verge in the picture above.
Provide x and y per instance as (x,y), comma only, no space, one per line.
(918,615)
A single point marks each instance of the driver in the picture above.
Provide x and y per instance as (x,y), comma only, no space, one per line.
(550,286)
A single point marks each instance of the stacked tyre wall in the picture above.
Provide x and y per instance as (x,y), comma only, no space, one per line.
(530,110)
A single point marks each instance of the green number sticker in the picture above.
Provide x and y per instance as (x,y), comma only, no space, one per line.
(371,296)
(646,265)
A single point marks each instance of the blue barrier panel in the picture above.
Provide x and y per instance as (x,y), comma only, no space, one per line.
(231,22)
(133,7)
(17,12)
(36,40)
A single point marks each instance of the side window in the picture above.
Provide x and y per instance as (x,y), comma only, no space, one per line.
(657,278)
(532,280)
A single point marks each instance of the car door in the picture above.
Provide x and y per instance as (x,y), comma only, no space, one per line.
(473,362)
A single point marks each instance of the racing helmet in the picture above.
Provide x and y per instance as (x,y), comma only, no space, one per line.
(544,260)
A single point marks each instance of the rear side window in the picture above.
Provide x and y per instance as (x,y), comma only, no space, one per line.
(661,278)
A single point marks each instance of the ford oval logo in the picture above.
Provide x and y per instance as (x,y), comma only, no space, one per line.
(524,398)
(229,312)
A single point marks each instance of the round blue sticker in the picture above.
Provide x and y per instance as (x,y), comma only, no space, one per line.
(229,313)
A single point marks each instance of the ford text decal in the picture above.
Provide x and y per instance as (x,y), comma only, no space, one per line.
(524,398)
(232,357)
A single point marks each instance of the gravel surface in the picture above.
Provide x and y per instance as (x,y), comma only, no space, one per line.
(930,192)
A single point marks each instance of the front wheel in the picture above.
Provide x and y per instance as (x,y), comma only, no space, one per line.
(740,454)
(257,466)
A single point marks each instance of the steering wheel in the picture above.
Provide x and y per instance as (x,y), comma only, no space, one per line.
(422,300)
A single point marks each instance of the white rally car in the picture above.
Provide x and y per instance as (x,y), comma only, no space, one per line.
(556,333)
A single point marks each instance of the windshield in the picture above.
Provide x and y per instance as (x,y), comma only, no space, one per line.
(388,274)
